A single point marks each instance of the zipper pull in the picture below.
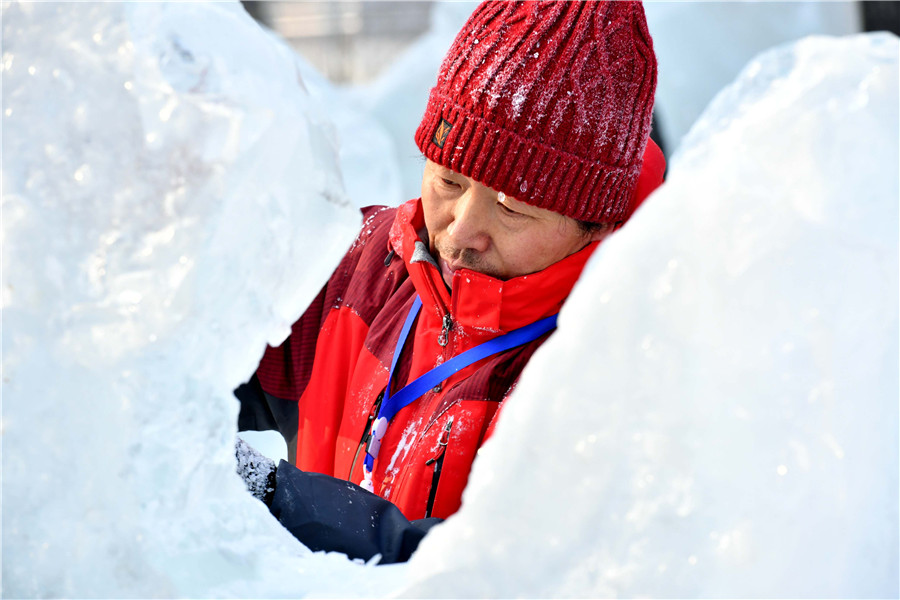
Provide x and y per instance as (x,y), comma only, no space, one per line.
(367,432)
(444,338)
(378,428)
(372,414)
(442,443)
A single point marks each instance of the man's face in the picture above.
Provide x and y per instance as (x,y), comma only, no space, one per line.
(471,226)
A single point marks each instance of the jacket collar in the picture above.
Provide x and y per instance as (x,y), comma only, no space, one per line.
(480,301)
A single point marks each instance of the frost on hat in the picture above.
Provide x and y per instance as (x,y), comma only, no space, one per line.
(548,102)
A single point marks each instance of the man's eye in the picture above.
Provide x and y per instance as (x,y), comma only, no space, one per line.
(508,210)
(448,182)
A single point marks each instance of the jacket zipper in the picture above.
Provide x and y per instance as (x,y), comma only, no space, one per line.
(446,319)
(367,432)
(438,461)
(446,325)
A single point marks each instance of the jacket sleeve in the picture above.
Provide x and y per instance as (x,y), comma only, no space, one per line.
(269,399)
(260,411)
(334,515)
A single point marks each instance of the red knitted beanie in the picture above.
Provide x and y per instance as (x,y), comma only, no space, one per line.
(548,102)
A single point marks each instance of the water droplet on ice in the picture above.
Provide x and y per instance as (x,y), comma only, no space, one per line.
(165,112)
(82,173)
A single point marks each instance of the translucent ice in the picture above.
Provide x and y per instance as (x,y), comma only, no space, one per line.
(171,202)
(717,415)
(366,152)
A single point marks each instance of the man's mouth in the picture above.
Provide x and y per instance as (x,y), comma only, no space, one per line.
(461,260)
(447,270)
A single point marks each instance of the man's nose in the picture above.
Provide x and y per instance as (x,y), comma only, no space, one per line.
(471,221)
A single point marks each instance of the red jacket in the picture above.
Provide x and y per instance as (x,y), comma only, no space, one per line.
(325,378)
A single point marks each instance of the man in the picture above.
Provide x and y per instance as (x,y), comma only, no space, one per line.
(535,139)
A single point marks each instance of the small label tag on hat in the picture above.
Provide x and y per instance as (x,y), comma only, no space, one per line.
(440,134)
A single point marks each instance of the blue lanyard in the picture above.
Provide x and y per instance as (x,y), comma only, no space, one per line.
(414,390)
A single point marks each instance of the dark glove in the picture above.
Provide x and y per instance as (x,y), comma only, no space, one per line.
(338,516)
(257,471)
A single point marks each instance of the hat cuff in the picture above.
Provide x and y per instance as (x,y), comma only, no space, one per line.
(523,168)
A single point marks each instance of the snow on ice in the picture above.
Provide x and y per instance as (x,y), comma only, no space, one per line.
(722,414)
(717,415)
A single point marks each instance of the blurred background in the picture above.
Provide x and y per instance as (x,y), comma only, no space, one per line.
(352,41)
(349,42)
